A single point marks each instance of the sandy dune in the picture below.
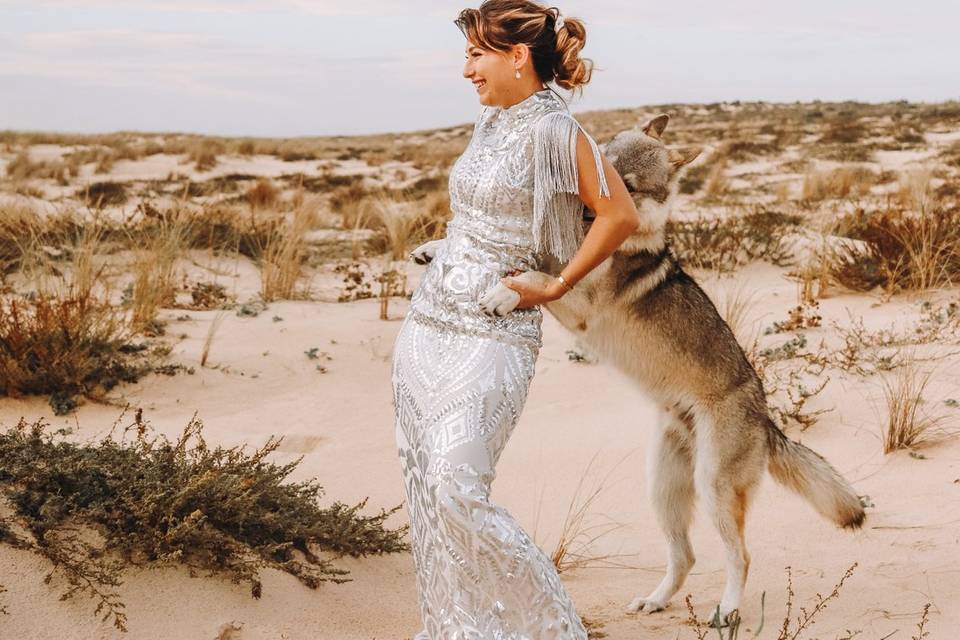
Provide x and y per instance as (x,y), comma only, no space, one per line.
(341,422)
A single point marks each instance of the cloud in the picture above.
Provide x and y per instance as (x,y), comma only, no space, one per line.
(330,8)
(93,39)
(159,62)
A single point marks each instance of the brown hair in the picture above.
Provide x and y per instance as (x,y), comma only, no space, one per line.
(499,24)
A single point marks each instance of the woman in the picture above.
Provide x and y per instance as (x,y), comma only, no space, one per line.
(460,377)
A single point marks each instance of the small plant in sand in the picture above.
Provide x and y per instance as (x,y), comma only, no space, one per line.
(203,153)
(402,218)
(804,316)
(21,168)
(841,182)
(915,193)
(789,396)
(392,283)
(104,194)
(813,277)
(574,548)
(921,632)
(153,503)
(262,195)
(33,243)
(399,220)
(790,628)
(717,183)
(208,341)
(723,244)
(226,229)
(356,285)
(918,249)
(204,296)
(908,424)
(68,345)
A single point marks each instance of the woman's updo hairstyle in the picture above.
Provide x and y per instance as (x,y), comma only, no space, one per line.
(499,24)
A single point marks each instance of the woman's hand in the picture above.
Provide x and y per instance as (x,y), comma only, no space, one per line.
(533,294)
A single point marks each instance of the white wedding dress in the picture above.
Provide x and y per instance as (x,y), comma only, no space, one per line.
(460,378)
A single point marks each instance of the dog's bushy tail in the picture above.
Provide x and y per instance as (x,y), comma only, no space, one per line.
(807,473)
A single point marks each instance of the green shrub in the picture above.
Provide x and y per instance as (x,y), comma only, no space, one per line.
(155,502)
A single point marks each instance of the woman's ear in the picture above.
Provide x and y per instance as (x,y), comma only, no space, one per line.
(520,54)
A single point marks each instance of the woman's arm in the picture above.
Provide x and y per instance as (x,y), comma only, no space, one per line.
(616,219)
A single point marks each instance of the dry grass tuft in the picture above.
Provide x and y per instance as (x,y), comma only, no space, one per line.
(66,346)
(838,183)
(208,341)
(908,249)
(723,244)
(262,195)
(282,257)
(908,425)
(717,184)
(399,220)
(163,240)
(577,536)
(846,129)
(104,194)
(915,193)
(23,168)
(203,153)
(223,228)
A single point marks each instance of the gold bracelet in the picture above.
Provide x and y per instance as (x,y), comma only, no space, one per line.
(566,284)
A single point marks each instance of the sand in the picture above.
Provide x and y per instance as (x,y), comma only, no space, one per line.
(259,383)
(578,417)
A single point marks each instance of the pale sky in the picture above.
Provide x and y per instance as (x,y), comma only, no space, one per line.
(325,67)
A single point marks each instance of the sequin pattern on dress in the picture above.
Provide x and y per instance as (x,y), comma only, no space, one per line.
(460,379)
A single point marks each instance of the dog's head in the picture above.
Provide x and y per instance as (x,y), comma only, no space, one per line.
(649,169)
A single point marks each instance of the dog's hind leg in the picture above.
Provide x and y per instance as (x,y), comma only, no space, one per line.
(671,490)
(729,466)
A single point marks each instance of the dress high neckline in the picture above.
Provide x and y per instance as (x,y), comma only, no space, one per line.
(528,100)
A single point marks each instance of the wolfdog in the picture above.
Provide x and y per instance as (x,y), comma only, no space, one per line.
(641,312)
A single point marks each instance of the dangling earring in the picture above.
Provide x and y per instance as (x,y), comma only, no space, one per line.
(518,74)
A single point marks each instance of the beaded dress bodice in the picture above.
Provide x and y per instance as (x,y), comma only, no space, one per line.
(513,196)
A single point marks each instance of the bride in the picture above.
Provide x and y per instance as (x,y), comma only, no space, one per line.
(460,377)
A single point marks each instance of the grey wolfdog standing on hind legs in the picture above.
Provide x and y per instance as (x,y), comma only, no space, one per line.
(645,315)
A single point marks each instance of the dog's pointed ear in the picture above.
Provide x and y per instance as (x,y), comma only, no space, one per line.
(655,127)
(683,157)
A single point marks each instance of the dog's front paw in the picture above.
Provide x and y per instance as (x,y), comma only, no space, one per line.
(645,605)
(425,252)
(499,300)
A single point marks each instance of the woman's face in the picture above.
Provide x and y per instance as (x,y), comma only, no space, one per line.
(490,72)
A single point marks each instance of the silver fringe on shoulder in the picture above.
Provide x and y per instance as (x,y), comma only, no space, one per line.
(557,207)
